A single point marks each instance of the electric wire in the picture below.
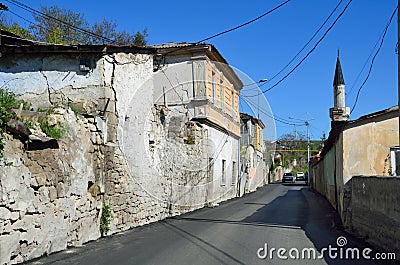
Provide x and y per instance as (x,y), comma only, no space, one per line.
(32,23)
(231,29)
(306,56)
(244,24)
(43,15)
(373,59)
(273,116)
(308,42)
(365,64)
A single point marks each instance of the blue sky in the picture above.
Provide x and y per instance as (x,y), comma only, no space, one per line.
(263,48)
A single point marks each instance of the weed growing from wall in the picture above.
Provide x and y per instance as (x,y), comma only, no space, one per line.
(53,131)
(105,219)
(8,101)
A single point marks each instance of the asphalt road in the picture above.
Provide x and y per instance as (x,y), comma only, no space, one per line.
(280,215)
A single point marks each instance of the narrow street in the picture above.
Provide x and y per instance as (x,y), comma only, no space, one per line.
(281,215)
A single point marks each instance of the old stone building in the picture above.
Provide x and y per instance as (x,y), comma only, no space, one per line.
(253,167)
(51,198)
(135,140)
(196,81)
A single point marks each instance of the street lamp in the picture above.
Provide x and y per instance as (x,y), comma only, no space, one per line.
(258,97)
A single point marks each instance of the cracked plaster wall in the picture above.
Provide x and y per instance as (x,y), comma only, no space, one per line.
(115,153)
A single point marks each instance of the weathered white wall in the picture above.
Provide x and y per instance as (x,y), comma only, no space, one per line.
(45,203)
(56,78)
(121,153)
(223,147)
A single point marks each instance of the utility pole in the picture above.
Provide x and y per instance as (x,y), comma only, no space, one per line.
(398,64)
(308,149)
(307,123)
(294,131)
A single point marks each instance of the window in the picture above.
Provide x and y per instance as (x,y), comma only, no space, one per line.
(233,104)
(221,93)
(233,173)
(395,160)
(223,177)
(213,88)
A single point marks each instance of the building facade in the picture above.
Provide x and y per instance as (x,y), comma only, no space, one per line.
(197,80)
(253,170)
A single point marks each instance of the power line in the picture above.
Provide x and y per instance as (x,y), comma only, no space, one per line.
(306,56)
(43,15)
(308,42)
(231,29)
(365,64)
(244,24)
(32,23)
(274,117)
(373,59)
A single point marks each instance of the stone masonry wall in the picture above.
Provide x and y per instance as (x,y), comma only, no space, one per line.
(48,198)
(147,162)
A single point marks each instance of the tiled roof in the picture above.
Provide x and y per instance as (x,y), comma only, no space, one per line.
(11,43)
(172,45)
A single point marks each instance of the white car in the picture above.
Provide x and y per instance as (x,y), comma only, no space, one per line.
(300,176)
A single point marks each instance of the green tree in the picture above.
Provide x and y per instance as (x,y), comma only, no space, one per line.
(63,26)
(140,38)
(15,28)
(49,28)
(108,29)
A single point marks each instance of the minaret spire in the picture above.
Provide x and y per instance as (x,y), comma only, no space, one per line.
(339,112)
(338,79)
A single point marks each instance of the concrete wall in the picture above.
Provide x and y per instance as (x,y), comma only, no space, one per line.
(323,176)
(367,205)
(376,210)
(366,147)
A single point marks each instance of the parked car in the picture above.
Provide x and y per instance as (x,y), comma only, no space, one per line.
(288,177)
(300,176)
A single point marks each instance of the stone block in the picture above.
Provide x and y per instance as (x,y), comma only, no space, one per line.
(43,194)
(8,244)
(52,193)
(5,214)
(61,190)
(5,227)
(40,179)
(14,216)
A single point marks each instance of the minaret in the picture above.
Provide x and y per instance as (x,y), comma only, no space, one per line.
(339,112)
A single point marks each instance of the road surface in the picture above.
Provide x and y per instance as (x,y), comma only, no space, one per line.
(240,231)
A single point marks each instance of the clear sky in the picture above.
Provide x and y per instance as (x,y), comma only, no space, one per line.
(263,48)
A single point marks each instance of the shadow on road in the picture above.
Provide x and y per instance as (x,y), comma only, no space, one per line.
(300,208)
(204,245)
